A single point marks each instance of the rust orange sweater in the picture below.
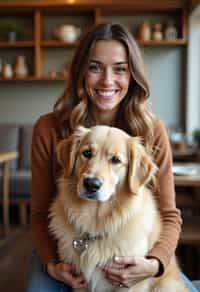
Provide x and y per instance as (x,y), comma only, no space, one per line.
(45,171)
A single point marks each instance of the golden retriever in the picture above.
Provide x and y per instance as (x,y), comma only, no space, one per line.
(105,207)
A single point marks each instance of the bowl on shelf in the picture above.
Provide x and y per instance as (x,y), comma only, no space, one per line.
(67,33)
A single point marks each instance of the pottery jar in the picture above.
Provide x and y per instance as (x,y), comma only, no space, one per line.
(7,71)
(144,31)
(21,69)
(157,34)
(171,32)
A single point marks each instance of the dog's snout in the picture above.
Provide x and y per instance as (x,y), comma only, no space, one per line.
(92,184)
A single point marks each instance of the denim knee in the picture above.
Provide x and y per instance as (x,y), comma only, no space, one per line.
(40,281)
(189,284)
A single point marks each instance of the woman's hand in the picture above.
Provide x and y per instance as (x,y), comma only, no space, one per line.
(66,273)
(134,270)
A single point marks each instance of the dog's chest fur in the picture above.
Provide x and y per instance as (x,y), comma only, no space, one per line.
(126,231)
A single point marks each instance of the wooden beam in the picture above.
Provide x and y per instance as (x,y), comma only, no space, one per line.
(38,52)
(137,4)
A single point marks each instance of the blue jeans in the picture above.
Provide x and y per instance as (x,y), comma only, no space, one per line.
(189,284)
(39,281)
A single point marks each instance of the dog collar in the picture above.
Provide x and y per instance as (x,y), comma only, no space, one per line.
(82,244)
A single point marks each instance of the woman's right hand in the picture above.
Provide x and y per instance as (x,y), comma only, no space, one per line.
(66,274)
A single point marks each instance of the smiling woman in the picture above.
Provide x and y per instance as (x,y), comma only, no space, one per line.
(107,68)
(106,85)
(107,78)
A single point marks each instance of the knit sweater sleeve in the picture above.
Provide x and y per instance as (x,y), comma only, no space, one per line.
(165,197)
(43,187)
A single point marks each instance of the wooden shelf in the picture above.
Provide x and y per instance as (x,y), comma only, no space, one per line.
(18,44)
(32,78)
(54,43)
(42,17)
(177,42)
(138,5)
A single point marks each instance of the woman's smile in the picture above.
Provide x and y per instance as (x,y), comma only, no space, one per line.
(106,94)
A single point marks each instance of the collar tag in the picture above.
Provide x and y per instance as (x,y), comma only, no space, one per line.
(82,244)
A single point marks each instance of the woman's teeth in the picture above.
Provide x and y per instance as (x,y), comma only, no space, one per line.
(107,93)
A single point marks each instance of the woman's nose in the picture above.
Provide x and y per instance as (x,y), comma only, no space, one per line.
(107,77)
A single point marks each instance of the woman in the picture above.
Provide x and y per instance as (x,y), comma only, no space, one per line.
(106,85)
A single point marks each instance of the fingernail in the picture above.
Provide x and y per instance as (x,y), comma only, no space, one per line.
(117,259)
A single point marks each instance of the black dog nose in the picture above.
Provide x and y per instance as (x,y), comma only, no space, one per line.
(92,184)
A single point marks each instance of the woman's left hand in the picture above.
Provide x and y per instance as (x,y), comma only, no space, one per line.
(134,269)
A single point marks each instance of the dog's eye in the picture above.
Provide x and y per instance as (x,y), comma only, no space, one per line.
(87,153)
(115,160)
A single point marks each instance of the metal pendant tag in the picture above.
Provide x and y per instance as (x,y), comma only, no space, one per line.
(80,245)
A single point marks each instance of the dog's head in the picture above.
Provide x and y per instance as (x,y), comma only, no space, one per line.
(104,161)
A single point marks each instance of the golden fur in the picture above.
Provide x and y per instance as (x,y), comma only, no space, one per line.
(104,192)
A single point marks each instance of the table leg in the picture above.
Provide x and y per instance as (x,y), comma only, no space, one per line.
(5,193)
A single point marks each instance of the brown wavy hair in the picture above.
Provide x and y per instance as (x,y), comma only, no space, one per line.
(73,107)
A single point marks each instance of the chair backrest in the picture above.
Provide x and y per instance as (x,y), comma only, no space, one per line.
(9,140)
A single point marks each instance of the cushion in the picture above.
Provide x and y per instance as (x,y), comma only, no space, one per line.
(9,140)
(25,137)
(19,183)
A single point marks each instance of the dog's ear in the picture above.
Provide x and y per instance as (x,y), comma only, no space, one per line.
(67,149)
(142,169)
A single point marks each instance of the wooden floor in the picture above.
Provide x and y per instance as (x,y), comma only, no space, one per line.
(14,258)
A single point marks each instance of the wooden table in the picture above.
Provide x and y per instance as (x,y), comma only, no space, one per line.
(191,229)
(192,180)
(187,155)
(5,157)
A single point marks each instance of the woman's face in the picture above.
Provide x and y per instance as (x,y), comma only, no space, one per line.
(107,76)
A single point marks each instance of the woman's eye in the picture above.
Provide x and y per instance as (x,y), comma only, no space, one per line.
(87,153)
(121,69)
(115,160)
(95,68)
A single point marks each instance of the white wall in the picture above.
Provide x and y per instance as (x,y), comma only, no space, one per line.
(164,71)
(26,101)
(193,86)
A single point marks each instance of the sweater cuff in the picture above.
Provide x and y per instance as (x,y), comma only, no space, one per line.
(162,255)
(160,268)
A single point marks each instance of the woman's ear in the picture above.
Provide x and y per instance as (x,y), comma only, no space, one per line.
(142,169)
(67,150)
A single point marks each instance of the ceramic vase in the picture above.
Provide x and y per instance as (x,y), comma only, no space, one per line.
(7,71)
(21,68)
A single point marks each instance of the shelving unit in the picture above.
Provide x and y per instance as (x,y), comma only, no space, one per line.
(42,16)
(19,44)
